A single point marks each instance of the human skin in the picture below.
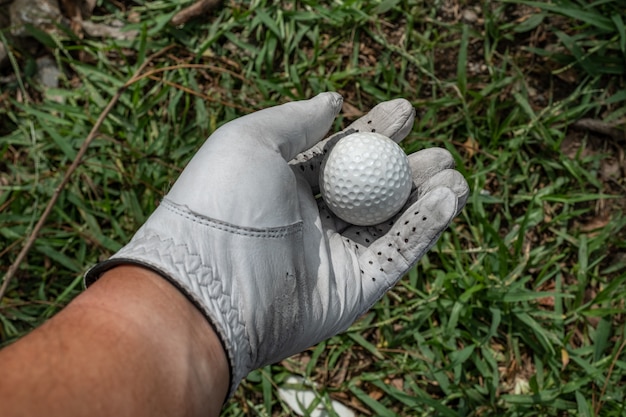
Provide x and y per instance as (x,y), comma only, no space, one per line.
(130,345)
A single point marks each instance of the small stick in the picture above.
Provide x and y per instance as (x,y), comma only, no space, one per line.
(77,161)
(598,406)
(200,7)
(601,127)
(203,96)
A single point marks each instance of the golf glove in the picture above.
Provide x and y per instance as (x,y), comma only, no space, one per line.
(243,236)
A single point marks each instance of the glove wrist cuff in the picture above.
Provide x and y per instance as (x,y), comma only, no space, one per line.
(196,283)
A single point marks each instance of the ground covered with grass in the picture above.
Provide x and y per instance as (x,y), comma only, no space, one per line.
(519,309)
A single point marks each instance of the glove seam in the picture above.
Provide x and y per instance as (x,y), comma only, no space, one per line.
(278,232)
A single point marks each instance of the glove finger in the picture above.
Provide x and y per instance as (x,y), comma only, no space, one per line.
(289,128)
(392,118)
(240,175)
(428,162)
(388,258)
(446,178)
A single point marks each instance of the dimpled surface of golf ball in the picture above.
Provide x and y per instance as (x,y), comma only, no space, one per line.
(365,179)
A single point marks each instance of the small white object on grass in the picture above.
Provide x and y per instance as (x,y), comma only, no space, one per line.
(365,179)
(300,397)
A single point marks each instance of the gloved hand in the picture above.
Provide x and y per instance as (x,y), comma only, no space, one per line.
(243,236)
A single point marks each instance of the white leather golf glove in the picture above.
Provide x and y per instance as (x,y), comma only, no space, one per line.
(243,236)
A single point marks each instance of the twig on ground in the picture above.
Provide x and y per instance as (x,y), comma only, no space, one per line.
(598,405)
(200,7)
(77,161)
(601,127)
(201,95)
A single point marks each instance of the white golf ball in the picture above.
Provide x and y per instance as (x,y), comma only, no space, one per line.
(365,179)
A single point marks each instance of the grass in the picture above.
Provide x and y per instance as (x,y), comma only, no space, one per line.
(518,310)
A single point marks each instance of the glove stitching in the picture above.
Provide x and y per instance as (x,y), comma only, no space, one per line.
(206,295)
(279,232)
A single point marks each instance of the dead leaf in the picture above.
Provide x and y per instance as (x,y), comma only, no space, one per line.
(199,8)
(595,223)
(376,394)
(471,147)
(564,358)
(397,383)
(351,112)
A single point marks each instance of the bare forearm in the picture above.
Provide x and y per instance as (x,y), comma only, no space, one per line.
(130,345)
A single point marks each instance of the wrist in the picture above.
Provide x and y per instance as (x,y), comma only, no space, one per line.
(163,320)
